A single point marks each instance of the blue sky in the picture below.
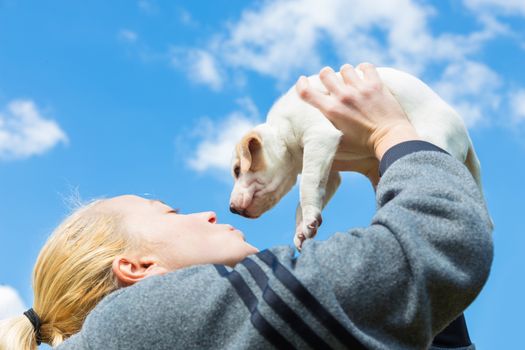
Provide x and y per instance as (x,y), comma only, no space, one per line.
(148,97)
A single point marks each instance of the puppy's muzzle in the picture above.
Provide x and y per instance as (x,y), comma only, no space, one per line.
(236,211)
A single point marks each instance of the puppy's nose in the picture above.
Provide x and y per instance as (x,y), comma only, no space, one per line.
(236,211)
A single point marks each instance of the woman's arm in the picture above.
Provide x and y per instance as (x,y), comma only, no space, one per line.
(420,263)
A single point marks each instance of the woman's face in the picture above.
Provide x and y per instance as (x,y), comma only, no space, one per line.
(180,240)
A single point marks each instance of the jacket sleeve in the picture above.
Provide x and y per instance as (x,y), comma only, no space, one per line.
(420,263)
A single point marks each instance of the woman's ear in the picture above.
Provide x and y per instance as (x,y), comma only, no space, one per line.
(130,270)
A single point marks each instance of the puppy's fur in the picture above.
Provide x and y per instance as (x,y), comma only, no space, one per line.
(297,138)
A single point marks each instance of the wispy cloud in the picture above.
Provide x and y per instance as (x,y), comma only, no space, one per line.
(517,106)
(199,65)
(186,18)
(282,39)
(217,139)
(11,303)
(291,35)
(127,35)
(472,88)
(509,7)
(25,132)
(147,6)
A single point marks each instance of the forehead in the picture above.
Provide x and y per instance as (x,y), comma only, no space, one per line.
(125,203)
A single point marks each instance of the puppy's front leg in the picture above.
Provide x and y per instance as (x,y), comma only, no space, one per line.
(334,180)
(320,146)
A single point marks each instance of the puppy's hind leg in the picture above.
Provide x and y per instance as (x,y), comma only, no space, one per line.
(320,146)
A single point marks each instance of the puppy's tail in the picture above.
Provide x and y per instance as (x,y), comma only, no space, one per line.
(472,164)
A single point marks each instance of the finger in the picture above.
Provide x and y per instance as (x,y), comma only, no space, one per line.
(311,95)
(349,74)
(330,81)
(369,72)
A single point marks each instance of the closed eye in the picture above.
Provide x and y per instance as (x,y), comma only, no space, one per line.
(173,211)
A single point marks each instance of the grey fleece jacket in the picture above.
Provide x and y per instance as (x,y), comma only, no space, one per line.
(392,285)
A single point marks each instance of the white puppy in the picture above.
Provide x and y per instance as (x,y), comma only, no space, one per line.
(297,138)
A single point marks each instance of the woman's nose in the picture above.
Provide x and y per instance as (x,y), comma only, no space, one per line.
(210,216)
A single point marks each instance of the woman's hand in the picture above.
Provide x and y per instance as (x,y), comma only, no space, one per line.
(365,111)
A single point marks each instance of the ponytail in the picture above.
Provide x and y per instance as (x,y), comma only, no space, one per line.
(17,333)
(71,275)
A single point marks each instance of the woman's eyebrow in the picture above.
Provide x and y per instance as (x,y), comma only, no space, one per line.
(159,201)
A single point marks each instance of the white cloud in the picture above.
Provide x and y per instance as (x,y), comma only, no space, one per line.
(285,38)
(472,88)
(11,303)
(199,65)
(186,18)
(276,39)
(510,7)
(216,147)
(25,132)
(147,6)
(127,35)
(517,106)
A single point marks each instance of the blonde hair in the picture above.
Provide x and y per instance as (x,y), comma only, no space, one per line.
(71,275)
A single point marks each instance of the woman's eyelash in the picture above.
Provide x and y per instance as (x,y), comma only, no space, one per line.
(173,211)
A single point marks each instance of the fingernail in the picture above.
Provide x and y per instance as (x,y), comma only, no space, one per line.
(365,65)
(302,82)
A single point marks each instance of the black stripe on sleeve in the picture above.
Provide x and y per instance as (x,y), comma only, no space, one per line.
(264,328)
(309,301)
(282,309)
(404,148)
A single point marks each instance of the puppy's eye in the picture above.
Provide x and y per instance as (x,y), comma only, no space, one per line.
(237,171)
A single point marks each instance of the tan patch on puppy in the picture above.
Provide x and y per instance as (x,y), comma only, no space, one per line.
(250,153)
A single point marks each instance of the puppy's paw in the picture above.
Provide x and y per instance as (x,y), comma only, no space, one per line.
(307,229)
(298,241)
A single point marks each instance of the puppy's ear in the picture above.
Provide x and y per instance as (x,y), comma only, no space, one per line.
(251,152)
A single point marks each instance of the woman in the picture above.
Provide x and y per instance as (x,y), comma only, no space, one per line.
(392,285)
